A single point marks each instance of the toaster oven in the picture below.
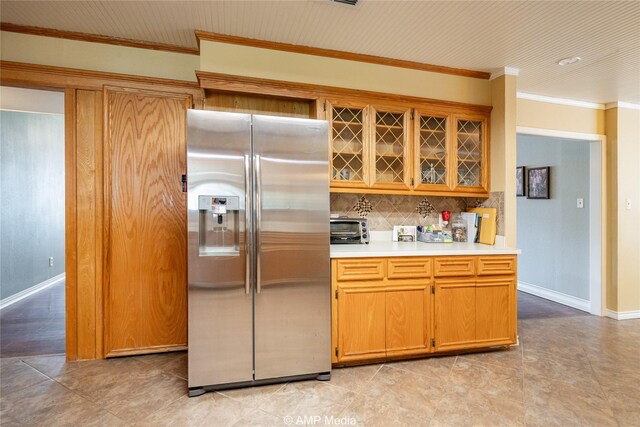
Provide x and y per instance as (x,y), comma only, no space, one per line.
(349,230)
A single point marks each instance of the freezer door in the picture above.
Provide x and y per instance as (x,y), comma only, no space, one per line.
(292,294)
(219,210)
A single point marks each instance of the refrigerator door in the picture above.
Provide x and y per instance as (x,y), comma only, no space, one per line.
(292,306)
(219,210)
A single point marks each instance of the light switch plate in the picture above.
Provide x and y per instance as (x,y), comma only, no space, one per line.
(628,204)
(580,203)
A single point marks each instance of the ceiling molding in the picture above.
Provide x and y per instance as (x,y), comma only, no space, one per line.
(337,54)
(506,71)
(561,101)
(95,38)
(627,105)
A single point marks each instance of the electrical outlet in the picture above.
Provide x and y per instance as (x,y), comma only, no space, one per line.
(580,203)
(51,261)
(628,204)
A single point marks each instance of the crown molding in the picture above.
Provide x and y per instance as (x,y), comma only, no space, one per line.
(95,38)
(337,54)
(561,101)
(627,105)
(506,71)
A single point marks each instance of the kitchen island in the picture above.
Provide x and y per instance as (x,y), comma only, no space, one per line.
(392,300)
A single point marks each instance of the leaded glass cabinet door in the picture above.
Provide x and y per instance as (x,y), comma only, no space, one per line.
(432,165)
(390,155)
(471,174)
(348,135)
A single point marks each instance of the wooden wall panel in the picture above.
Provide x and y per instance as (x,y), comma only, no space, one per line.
(256,104)
(88,222)
(146,310)
(71,304)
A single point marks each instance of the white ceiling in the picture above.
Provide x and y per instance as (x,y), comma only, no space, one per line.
(487,36)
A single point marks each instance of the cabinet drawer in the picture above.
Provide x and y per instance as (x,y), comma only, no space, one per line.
(408,268)
(492,265)
(454,266)
(360,269)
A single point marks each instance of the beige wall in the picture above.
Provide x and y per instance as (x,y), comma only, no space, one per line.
(97,56)
(623,136)
(503,149)
(545,115)
(272,64)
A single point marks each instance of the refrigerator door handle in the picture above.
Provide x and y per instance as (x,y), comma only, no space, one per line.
(247,224)
(258,222)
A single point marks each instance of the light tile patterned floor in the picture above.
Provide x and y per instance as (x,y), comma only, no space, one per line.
(570,369)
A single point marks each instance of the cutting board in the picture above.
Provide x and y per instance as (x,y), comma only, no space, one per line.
(487,225)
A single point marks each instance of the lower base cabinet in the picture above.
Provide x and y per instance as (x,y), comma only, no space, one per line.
(407,309)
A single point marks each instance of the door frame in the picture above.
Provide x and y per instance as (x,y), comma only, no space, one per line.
(598,250)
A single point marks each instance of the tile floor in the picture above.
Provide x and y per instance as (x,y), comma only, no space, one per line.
(570,369)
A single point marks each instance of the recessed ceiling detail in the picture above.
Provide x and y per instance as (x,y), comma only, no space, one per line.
(482,36)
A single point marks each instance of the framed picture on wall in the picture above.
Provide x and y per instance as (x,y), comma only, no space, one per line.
(520,177)
(538,183)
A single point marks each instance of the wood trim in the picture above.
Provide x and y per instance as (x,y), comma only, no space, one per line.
(71,251)
(46,76)
(337,54)
(146,350)
(257,85)
(96,38)
(360,190)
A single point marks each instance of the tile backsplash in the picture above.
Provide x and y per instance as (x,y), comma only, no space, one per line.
(384,211)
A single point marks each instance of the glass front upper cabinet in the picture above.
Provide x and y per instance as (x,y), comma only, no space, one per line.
(471,152)
(432,151)
(390,148)
(348,136)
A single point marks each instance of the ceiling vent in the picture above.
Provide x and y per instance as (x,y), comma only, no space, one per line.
(346,2)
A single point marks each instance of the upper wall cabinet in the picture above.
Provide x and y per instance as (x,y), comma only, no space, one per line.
(404,150)
(471,149)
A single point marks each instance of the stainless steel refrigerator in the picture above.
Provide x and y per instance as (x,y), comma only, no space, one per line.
(259,274)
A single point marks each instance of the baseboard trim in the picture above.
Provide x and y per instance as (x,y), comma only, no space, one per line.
(555,296)
(30,291)
(622,315)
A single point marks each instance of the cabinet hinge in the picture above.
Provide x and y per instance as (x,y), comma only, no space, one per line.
(412,115)
(412,182)
(433,290)
(336,351)
(324,106)
(336,294)
(433,342)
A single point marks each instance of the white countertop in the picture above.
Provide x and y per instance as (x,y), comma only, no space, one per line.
(383,247)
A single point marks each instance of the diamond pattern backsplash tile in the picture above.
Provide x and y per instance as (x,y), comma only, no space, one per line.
(385,211)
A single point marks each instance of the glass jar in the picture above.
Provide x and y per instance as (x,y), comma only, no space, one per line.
(459,229)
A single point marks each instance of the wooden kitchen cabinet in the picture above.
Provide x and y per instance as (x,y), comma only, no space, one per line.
(361,332)
(405,149)
(455,314)
(406,306)
(407,310)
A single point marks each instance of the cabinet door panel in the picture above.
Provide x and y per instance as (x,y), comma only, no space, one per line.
(348,139)
(407,314)
(494,265)
(432,152)
(390,154)
(471,147)
(455,314)
(454,266)
(409,268)
(495,310)
(146,307)
(361,323)
(360,269)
